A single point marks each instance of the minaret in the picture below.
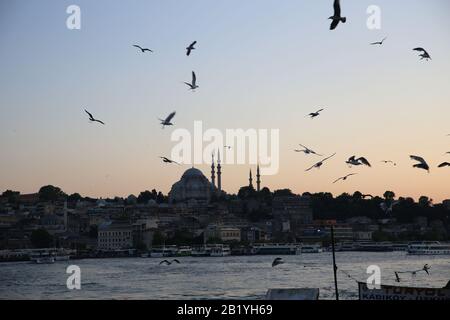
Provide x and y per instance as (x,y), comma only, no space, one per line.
(250,180)
(258,179)
(213,173)
(219,172)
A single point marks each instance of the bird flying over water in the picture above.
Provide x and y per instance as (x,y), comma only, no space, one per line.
(92,119)
(167,160)
(444,164)
(379,42)
(167,121)
(169,262)
(422,163)
(142,49)
(277,261)
(315,114)
(336,17)
(307,150)
(344,177)
(190,48)
(193,85)
(320,163)
(352,161)
(424,54)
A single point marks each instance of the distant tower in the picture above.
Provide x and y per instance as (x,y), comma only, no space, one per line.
(258,179)
(213,173)
(219,172)
(250,180)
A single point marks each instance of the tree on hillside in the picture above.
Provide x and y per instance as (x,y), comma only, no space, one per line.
(51,193)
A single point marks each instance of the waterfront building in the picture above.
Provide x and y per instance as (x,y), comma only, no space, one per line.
(114,236)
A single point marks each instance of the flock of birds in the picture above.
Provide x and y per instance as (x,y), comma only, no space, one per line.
(336,18)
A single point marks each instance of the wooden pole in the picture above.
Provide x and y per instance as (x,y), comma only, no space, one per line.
(334,264)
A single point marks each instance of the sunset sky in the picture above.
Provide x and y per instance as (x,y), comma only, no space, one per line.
(261,64)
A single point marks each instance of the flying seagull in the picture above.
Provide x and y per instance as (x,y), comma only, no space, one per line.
(336,17)
(190,48)
(367,196)
(169,262)
(352,161)
(167,121)
(315,114)
(389,161)
(193,85)
(344,177)
(422,163)
(142,49)
(386,208)
(92,119)
(444,164)
(379,42)
(307,151)
(277,261)
(320,163)
(424,54)
(167,160)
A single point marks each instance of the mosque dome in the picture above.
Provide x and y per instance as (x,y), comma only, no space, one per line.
(193,185)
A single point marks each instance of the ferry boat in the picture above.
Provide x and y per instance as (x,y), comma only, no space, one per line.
(159,253)
(220,251)
(428,248)
(374,247)
(184,251)
(314,248)
(42,258)
(200,252)
(277,249)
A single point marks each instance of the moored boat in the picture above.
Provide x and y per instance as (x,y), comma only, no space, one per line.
(428,248)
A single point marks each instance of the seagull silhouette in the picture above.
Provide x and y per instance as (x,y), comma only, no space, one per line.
(444,164)
(167,160)
(190,48)
(367,196)
(424,55)
(277,261)
(167,121)
(344,177)
(307,151)
(352,161)
(193,85)
(336,17)
(169,262)
(92,119)
(388,209)
(315,114)
(379,42)
(422,163)
(142,49)
(320,163)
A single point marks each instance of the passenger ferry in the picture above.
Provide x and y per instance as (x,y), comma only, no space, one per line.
(428,248)
(159,252)
(184,251)
(200,252)
(220,250)
(277,249)
(315,248)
